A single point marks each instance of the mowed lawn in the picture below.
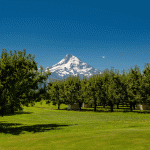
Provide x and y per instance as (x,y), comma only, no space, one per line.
(47,129)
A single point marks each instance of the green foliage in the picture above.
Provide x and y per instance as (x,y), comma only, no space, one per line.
(19,76)
(145,88)
(134,81)
(94,85)
(21,84)
(84,95)
(108,88)
(73,92)
(56,92)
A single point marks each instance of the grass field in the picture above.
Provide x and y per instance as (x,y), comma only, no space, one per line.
(43,128)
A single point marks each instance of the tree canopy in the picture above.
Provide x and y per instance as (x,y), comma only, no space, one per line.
(19,81)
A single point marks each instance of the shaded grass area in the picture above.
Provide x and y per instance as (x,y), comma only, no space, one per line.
(12,128)
(122,108)
(17,113)
(44,127)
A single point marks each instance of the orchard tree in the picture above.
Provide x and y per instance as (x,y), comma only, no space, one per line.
(94,85)
(72,88)
(134,80)
(57,92)
(145,88)
(84,94)
(62,96)
(19,76)
(105,84)
(69,90)
(111,87)
(123,87)
(49,92)
(117,87)
(78,93)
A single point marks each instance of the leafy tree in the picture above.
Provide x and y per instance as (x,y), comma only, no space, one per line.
(123,87)
(57,92)
(62,95)
(94,86)
(118,87)
(49,92)
(69,90)
(72,88)
(105,84)
(84,95)
(145,85)
(113,88)
(78,92)
(134,80)
(19,76)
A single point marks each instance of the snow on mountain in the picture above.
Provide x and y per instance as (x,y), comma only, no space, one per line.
(70,65)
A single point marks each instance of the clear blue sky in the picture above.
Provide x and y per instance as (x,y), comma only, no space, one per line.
(89,30)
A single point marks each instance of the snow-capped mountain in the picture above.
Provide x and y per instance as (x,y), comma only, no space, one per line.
(70,65)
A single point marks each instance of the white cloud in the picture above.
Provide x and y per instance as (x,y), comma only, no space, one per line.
(103,56)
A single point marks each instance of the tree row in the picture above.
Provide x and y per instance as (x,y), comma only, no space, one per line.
(21,84)
(109,88)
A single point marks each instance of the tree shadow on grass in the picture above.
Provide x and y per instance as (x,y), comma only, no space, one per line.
(142,112)
(52,108)
(10,128)
(17,113)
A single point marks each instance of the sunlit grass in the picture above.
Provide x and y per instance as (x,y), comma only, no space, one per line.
(47,128)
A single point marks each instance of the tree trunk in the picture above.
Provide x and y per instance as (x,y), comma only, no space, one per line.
(58,106)
(111,107)
(12,108)
(103,105)
(2,111)
(80,104)
(134,105)
(130,106)
(117,105)
(95,104)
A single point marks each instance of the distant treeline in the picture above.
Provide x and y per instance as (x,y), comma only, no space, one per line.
(108,88)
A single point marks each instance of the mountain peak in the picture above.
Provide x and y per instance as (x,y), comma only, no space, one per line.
(71,65)
(67,57)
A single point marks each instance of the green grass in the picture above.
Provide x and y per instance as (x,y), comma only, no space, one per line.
(48,129)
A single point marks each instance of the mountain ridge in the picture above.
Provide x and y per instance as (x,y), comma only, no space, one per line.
(70,65)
